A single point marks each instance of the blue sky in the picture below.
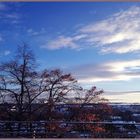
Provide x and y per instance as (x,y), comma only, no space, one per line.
(98,42)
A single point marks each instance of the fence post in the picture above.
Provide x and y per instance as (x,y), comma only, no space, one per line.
(34,132)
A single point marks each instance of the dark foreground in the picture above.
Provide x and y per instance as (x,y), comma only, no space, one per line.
(44,129)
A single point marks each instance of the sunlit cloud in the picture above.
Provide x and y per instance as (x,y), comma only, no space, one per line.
(108,71)
(109,79)
(131,97)
(120,66)
(119,33)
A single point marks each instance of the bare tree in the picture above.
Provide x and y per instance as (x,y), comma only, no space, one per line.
(98,110)
(57,87)
(92,95)
(22,84)
(16,75)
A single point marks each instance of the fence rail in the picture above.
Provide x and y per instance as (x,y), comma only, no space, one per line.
(73,122)
(73,129)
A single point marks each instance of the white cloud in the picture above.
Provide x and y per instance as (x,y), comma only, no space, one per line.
(61,42)
(109,79)
(8,15)
(119,33)
(12,18)
(78,37)
(109,71)
(33,32)
(131,97)
(120,66)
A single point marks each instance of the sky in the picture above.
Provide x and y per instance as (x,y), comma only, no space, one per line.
(97,42)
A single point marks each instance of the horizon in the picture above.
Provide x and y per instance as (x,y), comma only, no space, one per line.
(99,45)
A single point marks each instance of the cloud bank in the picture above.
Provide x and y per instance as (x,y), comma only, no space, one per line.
(108,71)
(119,33)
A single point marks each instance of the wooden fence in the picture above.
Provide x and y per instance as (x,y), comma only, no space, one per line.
(40,129)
